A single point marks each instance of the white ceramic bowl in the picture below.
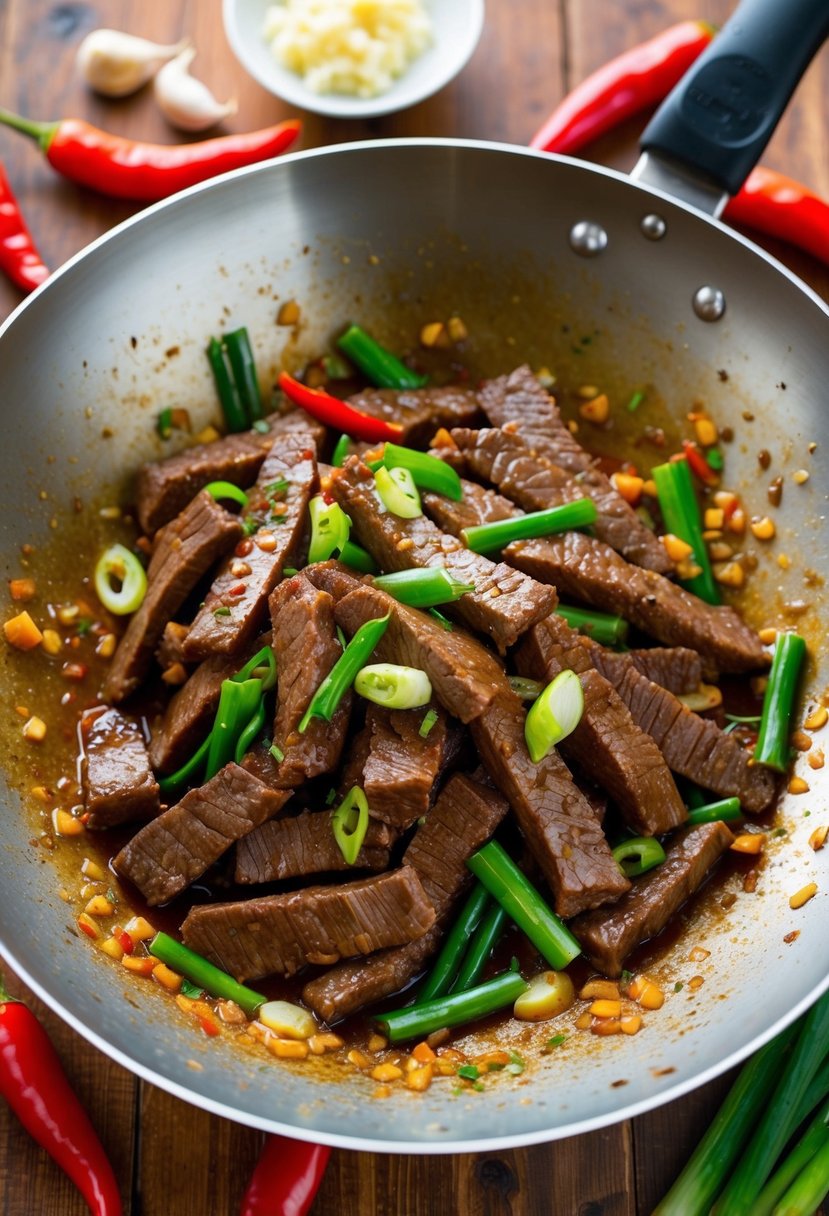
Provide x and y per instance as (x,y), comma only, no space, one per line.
(457,28)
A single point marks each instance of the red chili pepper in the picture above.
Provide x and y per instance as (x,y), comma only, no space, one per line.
(781,207)
(286,1178)
(35,1086)
(125,168)
(698,465)
(19,259)
(338,414)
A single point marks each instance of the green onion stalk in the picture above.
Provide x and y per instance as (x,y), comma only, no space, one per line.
(376,363)
(487,538)
(445,968)
(197,969)
(341,676)
(424,588)
(485,939)
(428,472)
(554,714)
(600,626)
(680,511)
(772,747)
(726,810)
(455,1009)
(393,686)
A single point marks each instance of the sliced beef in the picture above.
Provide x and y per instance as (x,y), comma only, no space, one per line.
(189,713)
(352,771)
(235,607)
(183,552)
(279,934)
(590,572)
(402,766)
(503,604)
(175,849)
(463,818)
(292,848)
(674,667)
(477,506)
(420,411)
(118,784)
(518,400)
(609,935)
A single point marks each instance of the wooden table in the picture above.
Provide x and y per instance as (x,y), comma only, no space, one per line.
(172,1159)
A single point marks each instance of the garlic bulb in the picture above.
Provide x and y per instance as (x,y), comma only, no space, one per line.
(116,64)
(186,102)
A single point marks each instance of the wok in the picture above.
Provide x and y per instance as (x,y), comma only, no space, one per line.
(394,234)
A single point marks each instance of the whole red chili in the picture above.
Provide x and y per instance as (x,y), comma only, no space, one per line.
(19,259)
(781,207)
(336,413)
(35,1086)
(125,168)
(286,1178)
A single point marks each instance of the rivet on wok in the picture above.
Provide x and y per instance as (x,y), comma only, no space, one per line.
(709,303)
(653,227)
(588,239)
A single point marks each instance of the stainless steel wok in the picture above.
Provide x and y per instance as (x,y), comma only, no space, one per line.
(531,251)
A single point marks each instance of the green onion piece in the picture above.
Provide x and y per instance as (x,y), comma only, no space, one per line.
(727,810)
(349,823)
(469,1072)
(236,418)
(600,626)
(439,980)
(429,472)
(527,689)
(357,558)
(714,459)
(417,1021)
(336,368)
(810,1187)
(341,676)
(486,538)
(249,733)
(398,492)
(680,511)
(486,938)
(164,423)
(238,703)
(554,715)
(117,565)
(340,451)
(277,753)
(394,686)
(330,527)
(492,866)
(376,363)
(794,1163)
(226,489)
(429,720)
(772,747)
(261,426)
(635,401)
(555,1041)
(443,621)
(187,774)
(209,978)
(638,855)
(425,588)
(243,367)
(262,666)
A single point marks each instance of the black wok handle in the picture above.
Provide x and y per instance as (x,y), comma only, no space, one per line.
(721,115)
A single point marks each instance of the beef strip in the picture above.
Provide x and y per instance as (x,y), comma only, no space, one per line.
(292,848)
(183,552)
(189,713)
(463,818)
(501,606)
(518,400)
(239,594)
(352,771)
(420,411)
(673,667)
(118,784)
(609,935)
(402,766)
(175,849)
(281,933)
(591,572)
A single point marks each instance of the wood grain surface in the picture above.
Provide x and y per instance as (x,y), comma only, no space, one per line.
(172,1159)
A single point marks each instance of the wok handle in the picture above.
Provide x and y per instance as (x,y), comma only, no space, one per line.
(721,115)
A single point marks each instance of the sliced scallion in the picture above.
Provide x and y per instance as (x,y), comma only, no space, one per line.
(424,588)
(117,565)
(226,489)
(445,967)
(349,823)
(340,451)
(330,527)
(638,855)
(357,558)
(394,686)
(428,472)
(429,720)
(527,689)
(554,714)
(603,628)
(398,492)
(680,511)
(243,367)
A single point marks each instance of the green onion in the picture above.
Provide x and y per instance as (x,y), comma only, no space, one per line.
(262,666)
(235,416)
(187,774)
(164,423)
(277,753)
(439,980)
(814,1138)
(376,363)
(486,938)
(336,368)
(727,810)
(209,978)
(772,747)
(425,588)
(525,688)
(453,1010)
(428,472)
(250,732)
(238,705)
(429,720)
(340,451)
(600,626)
(469,1072)
(493,867)
(243,367)
(330,527)
(635,401)
(226,489)
(349,823)
(357,558)
(443,621)
(398,492)
(554,715)
(394,686)
(485,538)
(117,565)
(555,1041)
(714,459)
(810,1187)
(638,855)
(341,676)
(261,426)
(680,511)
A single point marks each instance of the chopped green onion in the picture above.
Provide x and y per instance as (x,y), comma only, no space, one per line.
(187,774)
(486,538)
(792,1170)
(117,565)
(424,588)
(336,368)
(357,558)
(398,492)
(638,855)
(289,571)
(223,611)
(261,426)
(726,810)
(340,451)
(243,367)
(277,753)
(234,412)
(439,980)
(249,733)
(164,423)
(493,867)
(376,363)
(457,1008)
(262,666)
(772,747)
(635,401)
(341,676)
(603,628)
(469,1072)
(226,489)
(330,527)
(442,620)
(238,704)
(555,1041)
(209,978)
(429,472)
(394,686)
(429,720)
(349,823)
(554,715)
(527,689)
(714,459)
(486,938)
(680,511)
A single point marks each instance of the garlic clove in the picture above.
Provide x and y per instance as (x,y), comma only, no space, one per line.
(116,64)
(185,102)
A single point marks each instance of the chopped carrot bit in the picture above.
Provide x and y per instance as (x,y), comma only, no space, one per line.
(434,334)
(41,793)
(265,541)
(737,522)
(801,741)
(706,432)
(763,528)
(419,1079)
(750,882)
(34,730)
(423,1054)
(584,1021)
(382,1091)
(803,896)
(492,1059)
(798,786)
(767,636)
(628,486)
(111,947)
(720,551)
(596,410)
(730,574)
(817,719)
(816,758)
(695,982)
(444,1067)
(714,518)
(631,1024)
(386,1072)
(457,330)
(784,561)
(167,978)
(21,632)
(607,990)
(748,842)
(51,642)
(327,1041)
(22,589)
(678,550)
(442,439)
(606,1009)
(818,838)
(288,314)
(139,966)
(139,929)
(377,1043)
(800,477)
(646,993)
(211,1027)
(99,905)
(174,675)
(649,487)
(208,434)
(91,870)
(66,824)
(605,1026)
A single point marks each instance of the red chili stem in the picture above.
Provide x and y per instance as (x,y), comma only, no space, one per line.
(286,1178)
(19,258)
(35,1086)
(778,206)
(336,413)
